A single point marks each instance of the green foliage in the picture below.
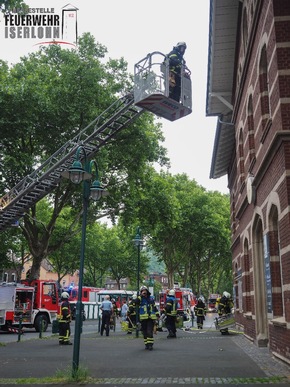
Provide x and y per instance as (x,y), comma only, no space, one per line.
(6,6)
(46,99)
(188,228)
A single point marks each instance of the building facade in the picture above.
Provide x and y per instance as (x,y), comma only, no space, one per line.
(249,90)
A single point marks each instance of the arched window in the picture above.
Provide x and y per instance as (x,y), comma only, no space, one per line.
(241,157)
(245,29)
(237,287)
(246,279)
(275,263)
(250,124)
(264,87)
(260,302)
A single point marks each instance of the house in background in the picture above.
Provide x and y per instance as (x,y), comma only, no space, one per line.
(248,88)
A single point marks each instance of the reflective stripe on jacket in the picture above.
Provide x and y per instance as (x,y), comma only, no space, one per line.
(147,308)
(171,306)
(65,315)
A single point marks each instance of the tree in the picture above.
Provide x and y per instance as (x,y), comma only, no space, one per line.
(187,227)
(7,6)
(46,99)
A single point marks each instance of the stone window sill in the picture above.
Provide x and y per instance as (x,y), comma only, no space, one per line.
(279,322)
(248,316)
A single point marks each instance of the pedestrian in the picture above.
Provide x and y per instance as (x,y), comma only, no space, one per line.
(171,306)
(192,312)
(64,320)
(107,311)
(200,312)
(124,310)
(131,314)
(148,314)
(176,62)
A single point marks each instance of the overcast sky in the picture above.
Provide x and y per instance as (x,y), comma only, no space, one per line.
(131,29)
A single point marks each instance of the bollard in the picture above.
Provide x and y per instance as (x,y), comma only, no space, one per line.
(99,319)
(20,328)
(41,327)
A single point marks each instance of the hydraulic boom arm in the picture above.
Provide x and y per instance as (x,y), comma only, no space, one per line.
(45,178)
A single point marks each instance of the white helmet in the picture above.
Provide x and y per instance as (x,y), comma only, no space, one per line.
(171,292)
(64,295)
(143,288)
(180,44)
(226,294)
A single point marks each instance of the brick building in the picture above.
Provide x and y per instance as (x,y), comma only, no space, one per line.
(249,90)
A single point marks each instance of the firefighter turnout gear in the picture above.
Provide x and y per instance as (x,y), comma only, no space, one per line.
(64,323)
(224,307)
(131,316)
(200,312)
(171,312)
(176,62)
(148,314)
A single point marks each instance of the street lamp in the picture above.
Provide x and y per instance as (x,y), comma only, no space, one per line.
(138,241)
(76,173)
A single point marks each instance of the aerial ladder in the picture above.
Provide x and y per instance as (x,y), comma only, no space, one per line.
(151,93)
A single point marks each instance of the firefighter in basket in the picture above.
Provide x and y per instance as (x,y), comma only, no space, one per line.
(176,61)
(148,314)
(224,307)
(171,313)
(64,320)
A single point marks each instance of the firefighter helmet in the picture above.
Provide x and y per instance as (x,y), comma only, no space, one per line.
(171,292)
(226,294)
(64,295)
(143,288)
(181,44)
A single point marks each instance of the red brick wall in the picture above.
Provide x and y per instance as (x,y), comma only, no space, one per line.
(269,161)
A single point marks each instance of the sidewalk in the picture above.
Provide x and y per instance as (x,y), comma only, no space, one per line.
(194,357)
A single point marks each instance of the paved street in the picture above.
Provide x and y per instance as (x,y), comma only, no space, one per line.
(195,357)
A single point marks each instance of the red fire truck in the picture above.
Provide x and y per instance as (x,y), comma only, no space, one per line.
(33,305)
(186,299)
(211,304)
(89,293)
(89,301)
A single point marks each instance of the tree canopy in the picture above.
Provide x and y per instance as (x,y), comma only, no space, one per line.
(46,99)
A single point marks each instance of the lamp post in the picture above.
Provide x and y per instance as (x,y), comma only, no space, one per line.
(76,173)
(139,244)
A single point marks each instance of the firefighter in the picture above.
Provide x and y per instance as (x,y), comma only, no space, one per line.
(148,314)
(224,307)
(131,314)
(64,320)
(224,304)
(175,64)
(200,312)
(171,312)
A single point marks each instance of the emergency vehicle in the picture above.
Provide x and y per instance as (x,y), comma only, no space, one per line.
(32,306)
(211,304)
(186,299)
(89,293)
(89,301)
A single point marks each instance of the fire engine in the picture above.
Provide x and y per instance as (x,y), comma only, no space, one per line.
(186,299)
(89,293)
(33,305)
(211,305)
(89,301)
